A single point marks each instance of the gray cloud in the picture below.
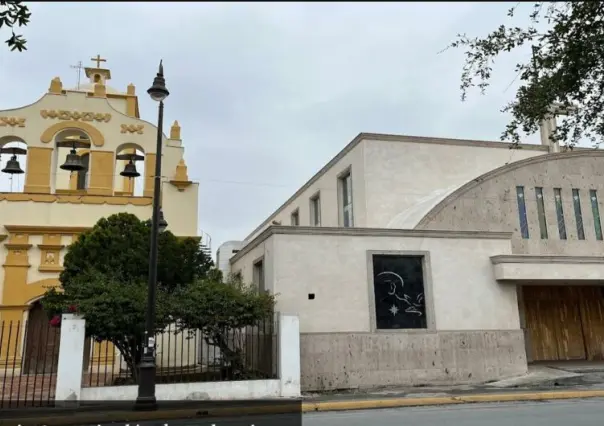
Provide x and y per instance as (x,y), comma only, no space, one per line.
(267,93)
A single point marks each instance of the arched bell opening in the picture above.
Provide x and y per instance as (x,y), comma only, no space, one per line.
(71,161)
(130,170)
(13,164)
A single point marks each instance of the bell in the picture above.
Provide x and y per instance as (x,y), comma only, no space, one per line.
(13,167)
(130,170)
(73,162)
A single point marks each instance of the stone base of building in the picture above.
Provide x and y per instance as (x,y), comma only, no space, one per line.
(332,361)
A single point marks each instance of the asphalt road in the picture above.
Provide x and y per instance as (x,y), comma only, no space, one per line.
(556,413)
(589,412)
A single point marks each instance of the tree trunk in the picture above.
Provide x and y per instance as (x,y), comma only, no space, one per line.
(232,356)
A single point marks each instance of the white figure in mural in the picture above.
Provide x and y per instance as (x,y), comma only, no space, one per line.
(397,283)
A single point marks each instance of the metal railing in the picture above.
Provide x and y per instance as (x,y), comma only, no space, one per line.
(29,355)
(185,356)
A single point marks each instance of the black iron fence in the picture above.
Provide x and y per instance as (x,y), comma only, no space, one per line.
(29,355)
(184,356)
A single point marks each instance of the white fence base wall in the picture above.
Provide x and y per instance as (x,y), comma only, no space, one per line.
(289,355)
(244,389)
(69,377)
(71,359)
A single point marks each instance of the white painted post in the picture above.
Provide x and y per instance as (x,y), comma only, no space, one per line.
(71,359)
(289,355)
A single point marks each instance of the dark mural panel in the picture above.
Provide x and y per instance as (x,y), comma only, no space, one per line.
(398,283)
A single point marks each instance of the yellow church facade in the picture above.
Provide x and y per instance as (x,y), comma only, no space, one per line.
(38,223)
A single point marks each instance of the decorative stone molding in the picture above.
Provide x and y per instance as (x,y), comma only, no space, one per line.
(75,115)
(50,253)
(527,258)
(132,128)
(56,86)
(12,121)
(100,91)
(367,232)
(77,199)
(25,230)
(18,247)
(175,131)
(181,179)
(96,137)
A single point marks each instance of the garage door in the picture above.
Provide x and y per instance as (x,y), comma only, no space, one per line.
(564,322)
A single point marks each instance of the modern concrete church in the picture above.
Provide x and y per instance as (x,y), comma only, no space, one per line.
(415,260)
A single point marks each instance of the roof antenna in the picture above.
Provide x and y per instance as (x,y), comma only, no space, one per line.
(78,66)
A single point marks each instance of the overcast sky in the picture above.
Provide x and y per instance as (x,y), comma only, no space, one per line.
(267,93)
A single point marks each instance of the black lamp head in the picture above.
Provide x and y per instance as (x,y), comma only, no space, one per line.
(158,90)
(162,223)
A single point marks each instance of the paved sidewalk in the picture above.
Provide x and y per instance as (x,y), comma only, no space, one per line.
(540,378)
(542,383)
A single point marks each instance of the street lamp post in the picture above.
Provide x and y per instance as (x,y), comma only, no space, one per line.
(146,379)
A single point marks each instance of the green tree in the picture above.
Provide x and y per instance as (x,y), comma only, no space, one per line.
(566,68)
(105,279)
(114,311)
(14,13)
(118,246)
(222,310)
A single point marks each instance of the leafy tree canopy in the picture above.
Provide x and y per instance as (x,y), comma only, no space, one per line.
(14,13)
(118,246)
(105,280)
(213,307)
(566,68)
(114,311)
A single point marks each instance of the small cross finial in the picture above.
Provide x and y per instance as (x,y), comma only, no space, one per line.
(98,60)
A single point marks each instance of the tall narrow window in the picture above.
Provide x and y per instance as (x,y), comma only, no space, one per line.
(560,213)
(296,218)
(315,210)
(578,214)
(595,210)
(524,231)
(346,200)
(541,213)
(258,277)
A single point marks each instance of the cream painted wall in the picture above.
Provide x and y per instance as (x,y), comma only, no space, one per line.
(404,180)
(264,250)
(75,101)
(180,208)
(397,179)
(118,104)
(464,292)
(62,214)
(327,186)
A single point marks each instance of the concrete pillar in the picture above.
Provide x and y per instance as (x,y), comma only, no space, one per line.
(71,360)
(289,355)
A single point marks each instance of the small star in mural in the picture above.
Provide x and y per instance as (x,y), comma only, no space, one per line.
(393,310)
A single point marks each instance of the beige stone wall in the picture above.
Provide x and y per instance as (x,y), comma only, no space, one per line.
(364,360)
(491,203)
